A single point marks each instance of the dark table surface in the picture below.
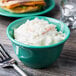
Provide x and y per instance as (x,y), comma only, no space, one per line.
(65,64)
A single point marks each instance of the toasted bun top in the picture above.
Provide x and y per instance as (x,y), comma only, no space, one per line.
(11,2)
(24,0)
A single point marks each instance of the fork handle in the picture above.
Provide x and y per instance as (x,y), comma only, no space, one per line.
(19,70)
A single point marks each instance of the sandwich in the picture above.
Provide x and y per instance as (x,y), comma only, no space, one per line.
(22,6)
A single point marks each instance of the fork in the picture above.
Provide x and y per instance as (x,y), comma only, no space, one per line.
(7,61)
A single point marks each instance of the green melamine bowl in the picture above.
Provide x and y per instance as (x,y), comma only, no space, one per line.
(37,56)
(49,6)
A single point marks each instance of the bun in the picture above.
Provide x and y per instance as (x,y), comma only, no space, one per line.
(22,10)
(22,7)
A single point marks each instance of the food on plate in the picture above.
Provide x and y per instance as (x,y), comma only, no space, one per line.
(22,6)
(38,32)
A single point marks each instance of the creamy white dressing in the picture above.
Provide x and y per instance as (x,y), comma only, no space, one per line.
(38,32)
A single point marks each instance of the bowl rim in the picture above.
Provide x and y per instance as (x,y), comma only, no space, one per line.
(31,46)
(31,14)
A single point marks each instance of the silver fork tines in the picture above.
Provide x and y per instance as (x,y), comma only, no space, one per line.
(3,55)
(7,61)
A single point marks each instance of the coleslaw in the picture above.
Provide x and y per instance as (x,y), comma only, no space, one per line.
(38,32)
